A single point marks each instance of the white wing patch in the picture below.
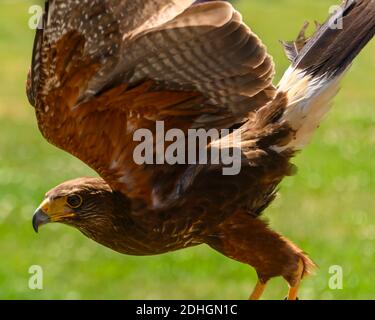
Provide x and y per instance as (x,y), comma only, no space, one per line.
(310,99)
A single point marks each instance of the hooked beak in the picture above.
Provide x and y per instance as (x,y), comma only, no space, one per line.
(51,211)
(40,218)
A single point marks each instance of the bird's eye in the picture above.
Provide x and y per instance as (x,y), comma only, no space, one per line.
(74,201)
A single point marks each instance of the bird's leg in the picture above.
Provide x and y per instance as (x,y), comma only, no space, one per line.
(294,287)
(258,290)
(251,241)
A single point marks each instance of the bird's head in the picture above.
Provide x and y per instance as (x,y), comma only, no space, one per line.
(84,203)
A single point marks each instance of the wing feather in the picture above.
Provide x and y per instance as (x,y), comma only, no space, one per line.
(102,76)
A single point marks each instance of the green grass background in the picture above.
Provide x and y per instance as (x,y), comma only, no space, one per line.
(327,209)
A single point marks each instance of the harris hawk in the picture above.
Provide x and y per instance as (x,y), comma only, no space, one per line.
(102,69)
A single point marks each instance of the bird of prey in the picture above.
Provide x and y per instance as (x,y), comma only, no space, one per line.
(102,69)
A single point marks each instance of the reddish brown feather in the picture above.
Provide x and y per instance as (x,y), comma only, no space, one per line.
(100,131)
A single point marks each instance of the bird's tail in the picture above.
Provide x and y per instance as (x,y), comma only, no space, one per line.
(318,65)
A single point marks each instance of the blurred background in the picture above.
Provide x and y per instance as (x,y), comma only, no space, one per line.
(327,209)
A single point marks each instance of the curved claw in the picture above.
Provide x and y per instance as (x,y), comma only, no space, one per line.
(286,298)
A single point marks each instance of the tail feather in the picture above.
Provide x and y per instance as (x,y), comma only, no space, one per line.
(314,77)
(335,44)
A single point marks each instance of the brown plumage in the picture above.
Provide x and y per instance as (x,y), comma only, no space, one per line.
(102,69)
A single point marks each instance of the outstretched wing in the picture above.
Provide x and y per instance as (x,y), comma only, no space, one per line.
(103,69)
(103,23)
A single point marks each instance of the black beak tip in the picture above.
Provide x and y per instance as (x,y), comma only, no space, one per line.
(35,224)
(39,219)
